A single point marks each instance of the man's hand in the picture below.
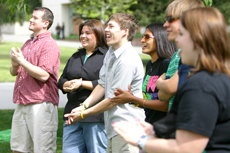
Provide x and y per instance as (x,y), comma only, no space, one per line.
(13,63)
(162,77)
(74,116)
(16,56)
(122,96)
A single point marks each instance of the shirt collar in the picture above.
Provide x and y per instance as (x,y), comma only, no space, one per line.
(120,50)
(40,36)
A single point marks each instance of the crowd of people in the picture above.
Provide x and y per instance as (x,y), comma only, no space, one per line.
(180,104)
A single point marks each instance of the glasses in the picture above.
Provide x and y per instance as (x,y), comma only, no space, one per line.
(170,19)
(147,37)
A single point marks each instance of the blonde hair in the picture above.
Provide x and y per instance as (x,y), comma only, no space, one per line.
(177,7)
(208,30)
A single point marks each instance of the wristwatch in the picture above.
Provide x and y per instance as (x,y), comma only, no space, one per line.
(141,143)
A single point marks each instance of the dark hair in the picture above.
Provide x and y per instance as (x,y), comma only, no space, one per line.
(47,16)
(98,29)
(208,30)
(165,48)
(126,21)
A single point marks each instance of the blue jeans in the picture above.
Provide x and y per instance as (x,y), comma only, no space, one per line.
(84,137)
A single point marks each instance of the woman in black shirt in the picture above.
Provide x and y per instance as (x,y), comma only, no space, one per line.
(78,79)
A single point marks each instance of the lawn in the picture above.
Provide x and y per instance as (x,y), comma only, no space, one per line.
(6,115)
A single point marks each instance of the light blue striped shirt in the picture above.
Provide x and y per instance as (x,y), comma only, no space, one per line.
(122,67)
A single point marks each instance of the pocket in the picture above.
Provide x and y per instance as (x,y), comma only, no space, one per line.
(49,107)
(49,137)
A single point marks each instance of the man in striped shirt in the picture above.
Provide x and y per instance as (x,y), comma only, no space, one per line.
(36,66)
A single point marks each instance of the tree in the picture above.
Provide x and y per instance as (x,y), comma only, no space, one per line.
(224,7)
(12,11)
(149,11)
(101,9)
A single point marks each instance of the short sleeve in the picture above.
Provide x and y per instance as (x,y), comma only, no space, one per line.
(50,55)
(123,76)
(101,81)
(197,112)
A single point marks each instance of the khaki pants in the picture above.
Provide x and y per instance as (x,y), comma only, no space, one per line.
(117,145)
(34,128)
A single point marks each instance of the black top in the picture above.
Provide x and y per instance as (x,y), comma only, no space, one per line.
(202,106)
(75,69)
(153,72)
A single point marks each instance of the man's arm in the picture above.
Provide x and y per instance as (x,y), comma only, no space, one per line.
(14,68)
(33,70)
(167,88)
(102,106)
(164,96)
(95,96)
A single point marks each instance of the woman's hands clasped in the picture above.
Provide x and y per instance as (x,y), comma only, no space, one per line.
(72,85)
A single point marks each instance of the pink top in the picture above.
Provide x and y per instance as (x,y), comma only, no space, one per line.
(45,53)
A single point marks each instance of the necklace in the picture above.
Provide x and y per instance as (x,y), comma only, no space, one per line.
(149,71)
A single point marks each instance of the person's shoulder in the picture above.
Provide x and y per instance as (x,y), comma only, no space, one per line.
(102,50)
(166,61)
(206,80)
(79,51)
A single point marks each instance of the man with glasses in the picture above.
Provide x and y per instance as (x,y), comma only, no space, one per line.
(168,82)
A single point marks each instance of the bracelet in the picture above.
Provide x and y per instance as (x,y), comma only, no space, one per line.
(141,142)
(134,105)
(144,102)
(82,104)
(82,114)
(81,83)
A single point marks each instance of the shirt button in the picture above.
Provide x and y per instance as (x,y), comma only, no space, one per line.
(18,86)
(29,49)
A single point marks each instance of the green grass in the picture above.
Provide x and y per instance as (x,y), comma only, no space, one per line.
(5,62)
(6,119)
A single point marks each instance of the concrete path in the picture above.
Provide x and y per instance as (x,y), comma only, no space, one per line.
(6,89)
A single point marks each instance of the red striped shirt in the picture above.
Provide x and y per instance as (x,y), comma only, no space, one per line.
(45,53)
